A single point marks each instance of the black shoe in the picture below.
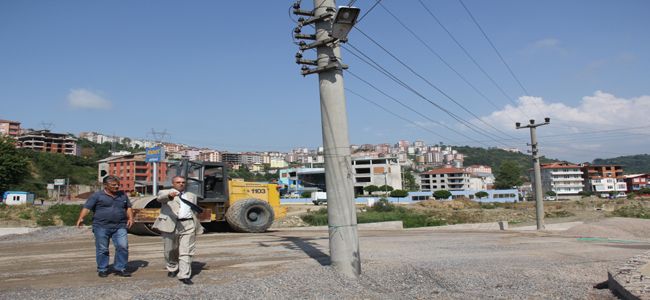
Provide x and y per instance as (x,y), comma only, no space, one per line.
(172,274)
(186,281)
(123,273)
(102,274)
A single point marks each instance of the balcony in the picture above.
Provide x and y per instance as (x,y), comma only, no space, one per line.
(572,172)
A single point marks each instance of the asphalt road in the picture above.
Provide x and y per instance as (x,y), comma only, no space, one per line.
(59,263)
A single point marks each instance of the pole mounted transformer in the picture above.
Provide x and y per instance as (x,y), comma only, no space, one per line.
(331,28)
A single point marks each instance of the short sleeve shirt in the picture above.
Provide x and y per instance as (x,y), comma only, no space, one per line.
(108,211)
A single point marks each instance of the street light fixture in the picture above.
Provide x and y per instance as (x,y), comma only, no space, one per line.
(344,20)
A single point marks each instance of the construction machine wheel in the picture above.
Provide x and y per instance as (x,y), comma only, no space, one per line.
(250,215)
(144,228)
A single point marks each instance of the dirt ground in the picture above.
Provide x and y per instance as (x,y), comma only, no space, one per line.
(58,263)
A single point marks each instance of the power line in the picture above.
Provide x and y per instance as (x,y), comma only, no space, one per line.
(457,118)
(394,114)
(469,55)
(367,12)
(410,108)
(426,45)
(494,47)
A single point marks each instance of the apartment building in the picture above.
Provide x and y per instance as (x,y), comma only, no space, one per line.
(46,141)
(210,155)
(448,178)
(10,128)
(366,171)
(635,182)
(376,171)
(564,179)
(604,180)
(135,174)
(231,158)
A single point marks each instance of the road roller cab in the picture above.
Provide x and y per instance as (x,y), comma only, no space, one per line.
(244,206)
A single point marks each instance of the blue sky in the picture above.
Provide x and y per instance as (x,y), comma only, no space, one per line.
(221,74)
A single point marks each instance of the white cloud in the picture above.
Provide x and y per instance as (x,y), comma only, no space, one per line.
(85,99)
(600,125)
(546,43)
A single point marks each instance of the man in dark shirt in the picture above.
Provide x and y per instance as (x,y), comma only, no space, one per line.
(112,216)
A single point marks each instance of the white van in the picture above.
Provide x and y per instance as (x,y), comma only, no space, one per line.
(319,197)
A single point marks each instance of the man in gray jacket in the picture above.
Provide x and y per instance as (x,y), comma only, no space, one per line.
(178,225)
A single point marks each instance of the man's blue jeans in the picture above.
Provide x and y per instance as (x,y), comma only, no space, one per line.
(120,242)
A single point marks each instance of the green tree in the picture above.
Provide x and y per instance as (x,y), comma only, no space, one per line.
(508,175)
(371,188)
(386,188)
(399,193)
(409,181)
(442,194)
(14,165)
(481,194)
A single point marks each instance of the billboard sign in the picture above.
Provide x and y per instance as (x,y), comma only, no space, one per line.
(155,154)
(59,181)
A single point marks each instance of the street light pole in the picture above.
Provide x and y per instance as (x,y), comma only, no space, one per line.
(539,201)
(332,26)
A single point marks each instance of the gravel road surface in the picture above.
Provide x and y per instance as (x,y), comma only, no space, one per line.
(59,263)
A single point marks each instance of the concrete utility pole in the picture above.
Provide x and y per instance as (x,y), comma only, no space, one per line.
(539,200)
(332,27)
(341,211)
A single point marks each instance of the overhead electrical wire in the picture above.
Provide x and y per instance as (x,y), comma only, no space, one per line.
(428,47)
(470,56)
(456,117)
(369,10)
(397,115)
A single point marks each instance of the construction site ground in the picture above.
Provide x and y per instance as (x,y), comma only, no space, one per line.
(442,262)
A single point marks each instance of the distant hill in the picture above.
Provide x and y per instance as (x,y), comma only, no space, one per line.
(493,157)
(632,164)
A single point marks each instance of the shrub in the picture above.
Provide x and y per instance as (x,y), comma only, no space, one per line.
(382,206)
(558,214)
(489,205)
(68,213)
(316,218)
(633,211)
(25,215)
(305,195)
(45,219)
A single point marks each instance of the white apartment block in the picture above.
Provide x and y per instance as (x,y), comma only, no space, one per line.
(562,178)
(376,171)
(450,179)
(603,186)
(210,155)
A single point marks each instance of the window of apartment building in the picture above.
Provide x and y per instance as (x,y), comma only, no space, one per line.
(426,187)
(419,198)
(363,170)
(362,179)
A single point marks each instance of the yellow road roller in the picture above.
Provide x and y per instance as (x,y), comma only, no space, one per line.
(244,206)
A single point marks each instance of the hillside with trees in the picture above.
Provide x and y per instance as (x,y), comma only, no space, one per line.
(494,158)
(632,164)
(27,170)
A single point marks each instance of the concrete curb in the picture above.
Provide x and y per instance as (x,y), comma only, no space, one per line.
(632,279)
(16,230)
(392,225)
